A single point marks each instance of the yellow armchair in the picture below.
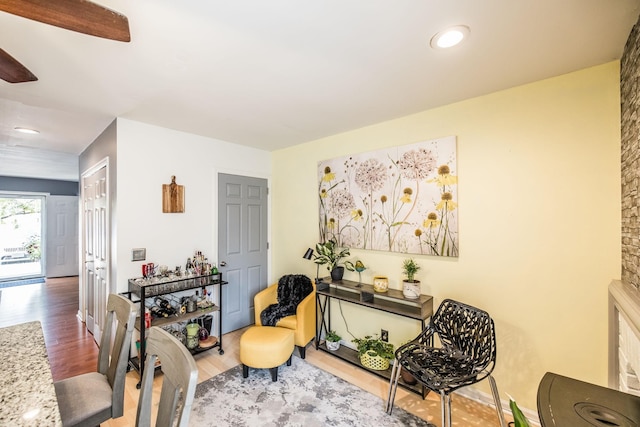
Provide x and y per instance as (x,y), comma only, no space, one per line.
(303,323)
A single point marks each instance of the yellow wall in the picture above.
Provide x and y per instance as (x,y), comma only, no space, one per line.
(539,221)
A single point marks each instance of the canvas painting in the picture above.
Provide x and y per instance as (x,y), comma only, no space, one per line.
(400,199)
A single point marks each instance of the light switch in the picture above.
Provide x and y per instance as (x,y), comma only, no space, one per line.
(138,254)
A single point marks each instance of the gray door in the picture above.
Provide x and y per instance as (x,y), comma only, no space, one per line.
(62,236)
(242,246)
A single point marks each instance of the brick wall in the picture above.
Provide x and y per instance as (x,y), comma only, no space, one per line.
(630,131)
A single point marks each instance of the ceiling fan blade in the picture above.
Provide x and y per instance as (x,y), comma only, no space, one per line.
(13,71)
(82,16)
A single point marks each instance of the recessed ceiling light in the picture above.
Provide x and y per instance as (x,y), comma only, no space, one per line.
(26,130)
(449,37)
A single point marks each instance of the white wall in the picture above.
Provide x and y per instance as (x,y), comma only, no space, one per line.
(147,158)
(539,214)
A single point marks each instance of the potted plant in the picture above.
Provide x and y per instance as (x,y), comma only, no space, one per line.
(332,340)
(329,254)
(404,374)
(374,353)
(519,419)
(410,286)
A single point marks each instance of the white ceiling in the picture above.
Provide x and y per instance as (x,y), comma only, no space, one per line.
(271,74)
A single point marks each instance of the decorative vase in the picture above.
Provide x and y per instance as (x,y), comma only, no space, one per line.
(376,363)
(411,290)
(337,273)
(407,377)
(333,345)
(192,335)
(380,284)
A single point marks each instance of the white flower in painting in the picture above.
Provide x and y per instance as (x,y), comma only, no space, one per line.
(417,164)
(341,203)
(371,175)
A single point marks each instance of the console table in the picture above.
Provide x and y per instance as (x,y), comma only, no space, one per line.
(392,301)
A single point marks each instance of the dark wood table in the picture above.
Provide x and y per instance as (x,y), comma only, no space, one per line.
(392,301)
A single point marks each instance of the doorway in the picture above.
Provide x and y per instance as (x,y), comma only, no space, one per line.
(61,250)
(242,246)
(21,236)
(96,244)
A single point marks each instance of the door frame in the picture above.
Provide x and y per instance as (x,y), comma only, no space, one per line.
(82,287)
(214,210)
(43,225)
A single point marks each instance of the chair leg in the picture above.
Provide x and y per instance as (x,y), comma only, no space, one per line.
(245,371)
(496,398)
(393,386)
(445,400)
(289,360)
(303,351)
(274,374)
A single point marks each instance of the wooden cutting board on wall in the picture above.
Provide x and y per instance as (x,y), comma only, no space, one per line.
(172,197)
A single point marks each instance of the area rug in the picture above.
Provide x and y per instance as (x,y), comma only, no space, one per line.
(20,282)
(303,396)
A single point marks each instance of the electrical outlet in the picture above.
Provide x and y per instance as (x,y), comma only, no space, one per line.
(384,335)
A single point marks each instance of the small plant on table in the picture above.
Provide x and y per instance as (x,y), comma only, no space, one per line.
(374,353)
(332,340)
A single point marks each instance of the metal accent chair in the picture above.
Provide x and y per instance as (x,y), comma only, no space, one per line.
(466,355)
(179,380)
(92,398)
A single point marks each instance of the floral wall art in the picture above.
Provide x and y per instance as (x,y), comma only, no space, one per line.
(400,199)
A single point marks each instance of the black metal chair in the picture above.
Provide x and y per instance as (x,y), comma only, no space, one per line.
(466,355)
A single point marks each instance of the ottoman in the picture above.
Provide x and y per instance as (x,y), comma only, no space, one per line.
(265,347)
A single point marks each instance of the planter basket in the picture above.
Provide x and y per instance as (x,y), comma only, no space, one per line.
(376,363)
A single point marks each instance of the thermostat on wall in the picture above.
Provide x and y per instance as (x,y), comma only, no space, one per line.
(138,254)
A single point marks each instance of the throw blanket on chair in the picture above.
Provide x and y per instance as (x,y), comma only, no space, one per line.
(292,289)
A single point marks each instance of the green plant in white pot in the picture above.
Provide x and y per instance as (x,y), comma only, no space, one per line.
(332,340)
(410,286)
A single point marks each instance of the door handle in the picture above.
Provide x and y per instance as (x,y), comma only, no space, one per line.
(223,263)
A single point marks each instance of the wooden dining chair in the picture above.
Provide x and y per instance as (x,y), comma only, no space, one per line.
(179,380)
(92,398)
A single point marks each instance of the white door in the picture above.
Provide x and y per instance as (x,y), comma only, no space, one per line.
(242,246)
(95,234)
(62,236)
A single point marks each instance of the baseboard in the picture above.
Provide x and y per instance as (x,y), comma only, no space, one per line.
(487,400)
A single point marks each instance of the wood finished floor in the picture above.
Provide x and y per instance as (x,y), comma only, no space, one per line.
(73,351)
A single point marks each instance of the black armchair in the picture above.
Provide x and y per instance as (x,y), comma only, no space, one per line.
(466,355)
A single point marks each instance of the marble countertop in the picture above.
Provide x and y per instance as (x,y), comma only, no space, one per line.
(27,394)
